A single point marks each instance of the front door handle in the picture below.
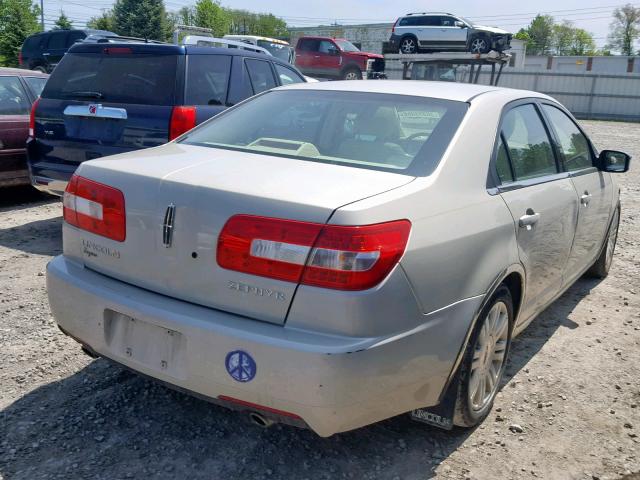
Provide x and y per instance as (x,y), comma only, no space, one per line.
(585,199)
(529,219)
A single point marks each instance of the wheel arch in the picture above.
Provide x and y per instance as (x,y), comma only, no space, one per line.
(351,66)
(513,277)
(412,36)
(479,34)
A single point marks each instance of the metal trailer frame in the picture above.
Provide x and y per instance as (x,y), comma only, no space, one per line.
(475,61)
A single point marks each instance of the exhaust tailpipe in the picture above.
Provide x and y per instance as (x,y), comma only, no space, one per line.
(259,420)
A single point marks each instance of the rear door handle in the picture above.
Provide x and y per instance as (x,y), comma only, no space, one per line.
(585,199)
(529,219)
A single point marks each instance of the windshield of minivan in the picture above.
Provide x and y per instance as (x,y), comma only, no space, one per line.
(278,50)
(347,46)
(118,78)
(396,133)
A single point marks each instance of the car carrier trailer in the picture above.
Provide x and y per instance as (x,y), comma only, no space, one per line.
(443,66)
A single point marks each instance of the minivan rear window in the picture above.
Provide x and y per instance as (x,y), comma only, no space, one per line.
(127,78)
(398,133)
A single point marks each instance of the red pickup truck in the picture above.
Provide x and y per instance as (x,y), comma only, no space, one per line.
(336,58)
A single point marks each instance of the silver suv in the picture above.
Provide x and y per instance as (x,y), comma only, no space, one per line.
(419,32)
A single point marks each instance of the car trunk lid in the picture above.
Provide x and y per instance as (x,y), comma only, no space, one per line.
(201,188)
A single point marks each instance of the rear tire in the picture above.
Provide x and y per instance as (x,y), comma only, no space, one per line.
(484,360)
(600,269)
(409,45)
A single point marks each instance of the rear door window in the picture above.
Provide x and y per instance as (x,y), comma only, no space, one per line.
(429,21)
(261,75)
(207,79)
(144,79)
(36,84)
(287,75)
(13,98)
(308,45)
(573,144)
(57,40)
(528,143)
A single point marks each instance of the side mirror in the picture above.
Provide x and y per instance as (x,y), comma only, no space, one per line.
(613,161)
(459,24)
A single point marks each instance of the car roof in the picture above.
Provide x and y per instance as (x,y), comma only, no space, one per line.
(461,92)
(428,13)
(21,72)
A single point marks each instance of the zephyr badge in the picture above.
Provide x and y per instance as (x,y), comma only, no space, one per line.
(167,225)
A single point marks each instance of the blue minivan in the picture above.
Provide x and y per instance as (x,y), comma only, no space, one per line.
(105,99)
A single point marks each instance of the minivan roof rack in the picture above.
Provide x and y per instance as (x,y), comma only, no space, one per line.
(201,41)
(99,38)
(429,13)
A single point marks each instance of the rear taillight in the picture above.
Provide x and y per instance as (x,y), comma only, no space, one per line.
(329,256)
(95,207)
(32,118)
(20,58)
(183,119)
(393,29)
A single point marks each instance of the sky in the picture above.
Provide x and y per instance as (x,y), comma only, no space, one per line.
(591,15)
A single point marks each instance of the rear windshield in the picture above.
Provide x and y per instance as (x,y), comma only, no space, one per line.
(396,133)
(128,78)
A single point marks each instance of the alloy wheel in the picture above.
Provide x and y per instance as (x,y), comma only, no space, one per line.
(351,76)
(478,45)
(489,356)
(408,45)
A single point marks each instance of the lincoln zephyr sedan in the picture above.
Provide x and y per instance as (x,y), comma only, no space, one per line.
(329,255)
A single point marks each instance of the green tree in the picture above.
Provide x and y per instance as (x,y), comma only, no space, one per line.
(522,35)
(102,22)
(140,18)
(583,43)
(63,22)
(563,38)
(625,29)
(540,33)
(248,23)
(209,14)
(18,20)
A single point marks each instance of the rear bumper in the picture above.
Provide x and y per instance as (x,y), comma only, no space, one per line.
(49,185)
(333,383)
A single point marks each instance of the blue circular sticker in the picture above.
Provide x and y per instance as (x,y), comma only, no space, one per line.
(240,366)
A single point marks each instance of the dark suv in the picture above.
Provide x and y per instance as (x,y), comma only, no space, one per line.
(43,51)
(105,99)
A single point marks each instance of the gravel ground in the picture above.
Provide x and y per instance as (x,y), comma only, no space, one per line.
(573,386)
